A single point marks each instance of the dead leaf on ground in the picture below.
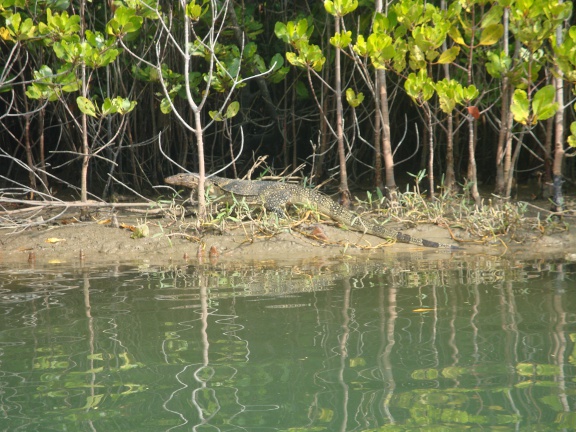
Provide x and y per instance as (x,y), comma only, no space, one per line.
(55,240)
(319,233)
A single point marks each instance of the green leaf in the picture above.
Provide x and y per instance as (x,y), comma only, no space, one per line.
(470,93)
(33,92)
(216,116)
(44,74)
(340,7)
(354,99)
(294,33)
(86,106)
(309,55)
(193,11)
(449,55)
(498,64)
(278,70)
(299,32)
(491,34)
(399,58)
(18,29)
(232,109)
(125,21)
(165,106)
(543,104)
(108,107)
(447,104)
(417,59)
(494,16)
(380,48)
(67,81)
(520,106)
(38,91)
(106,57)
(293,59)
(128,19)
(454,33)
(360,47)
(302,29)
(60,26)
(419,86)
(277,61)
(400,31)
(250,50)
(431,55)
(14,22)
(258,62)
(449,94)
(341,40)
(122,106)
(383,23)
(572,137)
(44,86)
(302,90)
(561,11)
(329,6)
(281,31)
(27,29)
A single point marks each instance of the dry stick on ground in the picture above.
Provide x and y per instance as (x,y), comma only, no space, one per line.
(33,205)
(564,213)
(62,206)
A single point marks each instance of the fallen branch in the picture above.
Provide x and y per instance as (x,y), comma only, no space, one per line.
(34,205)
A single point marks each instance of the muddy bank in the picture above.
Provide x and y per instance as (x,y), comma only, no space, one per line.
(166,241)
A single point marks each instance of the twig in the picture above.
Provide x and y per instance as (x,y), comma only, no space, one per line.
(33,205)
(554,213)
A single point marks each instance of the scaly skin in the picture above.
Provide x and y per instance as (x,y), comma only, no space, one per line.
(274,195)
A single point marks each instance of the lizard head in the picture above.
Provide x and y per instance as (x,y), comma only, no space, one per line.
(190,181)
(183,179)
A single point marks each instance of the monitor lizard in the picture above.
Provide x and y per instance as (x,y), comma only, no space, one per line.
(274,195)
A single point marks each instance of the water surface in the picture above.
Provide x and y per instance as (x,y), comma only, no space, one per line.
(483,344)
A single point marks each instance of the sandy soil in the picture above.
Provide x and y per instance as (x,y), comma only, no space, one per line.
(68,240)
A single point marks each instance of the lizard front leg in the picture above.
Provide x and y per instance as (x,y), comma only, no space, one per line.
(275,200)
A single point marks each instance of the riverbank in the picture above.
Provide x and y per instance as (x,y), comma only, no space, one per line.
(123,237)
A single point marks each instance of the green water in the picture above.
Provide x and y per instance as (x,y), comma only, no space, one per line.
(483,344)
